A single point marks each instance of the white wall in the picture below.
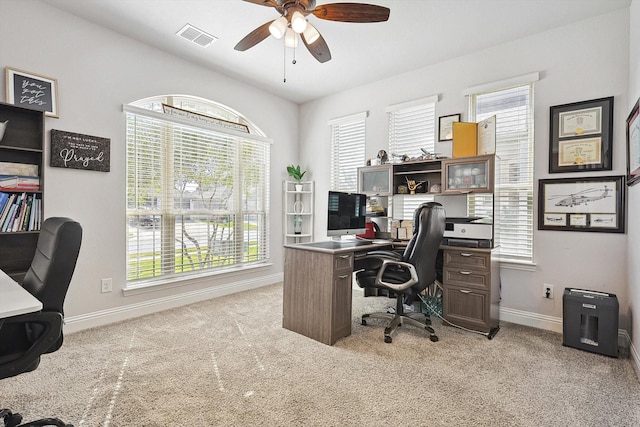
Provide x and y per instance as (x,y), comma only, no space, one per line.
(582,61)
(98,71)
(633,248)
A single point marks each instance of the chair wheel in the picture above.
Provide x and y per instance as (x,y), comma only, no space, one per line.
(433,338)
(387,339)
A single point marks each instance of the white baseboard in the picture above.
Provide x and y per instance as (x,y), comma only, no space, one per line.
(534,320)
(117,314)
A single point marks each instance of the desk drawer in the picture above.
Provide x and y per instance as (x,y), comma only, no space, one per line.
(342,263)
(466,277)
(467,260)
(466,307)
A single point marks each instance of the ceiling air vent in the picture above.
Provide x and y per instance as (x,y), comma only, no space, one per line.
(196,35)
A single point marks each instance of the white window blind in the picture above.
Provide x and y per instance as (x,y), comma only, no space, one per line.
(197,197)
(347,151)
(411,129)
(513,108)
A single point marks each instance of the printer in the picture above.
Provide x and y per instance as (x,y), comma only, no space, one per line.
(468,232)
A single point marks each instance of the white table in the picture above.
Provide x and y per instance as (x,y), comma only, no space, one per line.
(14,299)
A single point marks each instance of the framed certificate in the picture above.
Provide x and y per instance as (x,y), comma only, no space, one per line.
(633,145)
(445,126)
(581,135)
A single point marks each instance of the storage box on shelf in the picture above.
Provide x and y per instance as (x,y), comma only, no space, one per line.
(298,212)
(20,153)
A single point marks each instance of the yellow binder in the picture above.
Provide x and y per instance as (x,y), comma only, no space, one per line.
(465,137)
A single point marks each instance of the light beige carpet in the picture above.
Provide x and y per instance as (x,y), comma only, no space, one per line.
(228,362)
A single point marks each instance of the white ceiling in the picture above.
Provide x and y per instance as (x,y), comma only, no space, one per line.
(418,33)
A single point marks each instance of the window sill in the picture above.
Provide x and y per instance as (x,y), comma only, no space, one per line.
(145,286)
(518,265)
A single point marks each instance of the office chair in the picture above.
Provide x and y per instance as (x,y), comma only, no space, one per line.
(24,338)
(408,274)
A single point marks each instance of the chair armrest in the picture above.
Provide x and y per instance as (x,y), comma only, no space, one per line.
(397,286)
(52,324)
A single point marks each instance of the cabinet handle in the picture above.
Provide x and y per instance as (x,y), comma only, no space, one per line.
(464,291)
(465,254)
(466,273)
(344,276)
(344,256)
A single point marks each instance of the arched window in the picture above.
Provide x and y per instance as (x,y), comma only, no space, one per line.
(197,189)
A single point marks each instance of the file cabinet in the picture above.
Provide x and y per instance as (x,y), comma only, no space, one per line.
(471,288)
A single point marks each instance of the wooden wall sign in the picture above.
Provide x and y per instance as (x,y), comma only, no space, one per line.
(76,151)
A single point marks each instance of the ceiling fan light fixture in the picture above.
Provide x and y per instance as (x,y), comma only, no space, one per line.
(298,22)
(291,38)
(311,34)
(278,27)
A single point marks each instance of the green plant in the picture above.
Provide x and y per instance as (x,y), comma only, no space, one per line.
(295,173)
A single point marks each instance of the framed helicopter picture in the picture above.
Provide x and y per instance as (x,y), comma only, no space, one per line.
(582,204)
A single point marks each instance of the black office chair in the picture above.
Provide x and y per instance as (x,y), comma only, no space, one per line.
(24,338)
(408,274)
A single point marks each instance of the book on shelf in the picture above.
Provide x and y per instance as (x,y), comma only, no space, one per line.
(21,212)
(6,209)
(18,182)
(3,200)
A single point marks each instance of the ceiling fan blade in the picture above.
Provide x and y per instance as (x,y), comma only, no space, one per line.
(254,37)
(319,48)
(270,3)
(352,12)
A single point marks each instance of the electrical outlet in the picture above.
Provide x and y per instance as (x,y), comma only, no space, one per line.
(107,285)
(547,291)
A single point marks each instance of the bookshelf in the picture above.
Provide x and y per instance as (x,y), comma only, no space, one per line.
(298,212)
(21,150)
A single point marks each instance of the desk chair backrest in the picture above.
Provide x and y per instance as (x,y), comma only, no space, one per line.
(53,264)
(422,249)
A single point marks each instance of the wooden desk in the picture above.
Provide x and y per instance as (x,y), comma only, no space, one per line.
(14,299)
(317,288)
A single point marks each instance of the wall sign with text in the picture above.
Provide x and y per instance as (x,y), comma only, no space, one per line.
(76,151)
(32,91)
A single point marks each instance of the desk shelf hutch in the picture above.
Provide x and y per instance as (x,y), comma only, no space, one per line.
(471,275)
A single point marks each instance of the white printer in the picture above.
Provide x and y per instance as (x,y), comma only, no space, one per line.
(469,232)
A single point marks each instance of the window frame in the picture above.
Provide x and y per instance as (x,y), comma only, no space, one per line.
(168,214)
(353,145)
(525,182)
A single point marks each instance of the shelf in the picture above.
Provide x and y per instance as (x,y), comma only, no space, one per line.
(22,143)
(417,172)
(297,221)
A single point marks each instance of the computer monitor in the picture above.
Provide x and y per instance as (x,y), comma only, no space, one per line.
(346,213)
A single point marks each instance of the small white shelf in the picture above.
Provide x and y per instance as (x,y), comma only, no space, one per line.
(298,207)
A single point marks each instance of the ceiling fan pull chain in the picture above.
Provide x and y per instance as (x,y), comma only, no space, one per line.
(284,63)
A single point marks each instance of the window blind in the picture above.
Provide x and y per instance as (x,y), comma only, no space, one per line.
(411,128)
(347,151)
(513,108)
(197,197)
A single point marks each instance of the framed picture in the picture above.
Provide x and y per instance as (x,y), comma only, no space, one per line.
(582,204)
(633,145)
(581,136)
(32,90)
(445,126)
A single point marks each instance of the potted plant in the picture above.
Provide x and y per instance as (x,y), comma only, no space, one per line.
(295,173)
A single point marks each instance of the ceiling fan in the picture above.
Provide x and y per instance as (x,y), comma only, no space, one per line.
(293,21)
